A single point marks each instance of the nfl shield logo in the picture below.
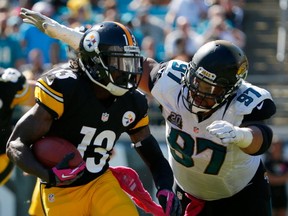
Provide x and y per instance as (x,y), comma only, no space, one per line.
(51,197)
(105,117)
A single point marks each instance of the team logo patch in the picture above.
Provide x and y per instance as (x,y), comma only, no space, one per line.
(128,118)
(51,197)
(175,119)
(91,41)
(105,117)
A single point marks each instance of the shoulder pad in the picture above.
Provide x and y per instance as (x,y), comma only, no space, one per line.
(174,69)
(248,97)
(55,86)
(60,73)
(169,84)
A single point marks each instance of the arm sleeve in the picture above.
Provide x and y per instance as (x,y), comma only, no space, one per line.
(257,117)
(267,134)
(153,157)
(268,109)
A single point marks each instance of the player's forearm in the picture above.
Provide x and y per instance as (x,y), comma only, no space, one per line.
(262,137)
(151,154)
(65,34)
(162,174)
(22,156)
(52,28)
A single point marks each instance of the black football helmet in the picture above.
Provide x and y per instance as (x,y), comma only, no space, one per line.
(70,52)
(214,74)
(110,57)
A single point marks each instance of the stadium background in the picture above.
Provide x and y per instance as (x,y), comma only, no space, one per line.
(265,24)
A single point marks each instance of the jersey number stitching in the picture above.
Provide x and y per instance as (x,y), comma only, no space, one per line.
(183,153)
(101,146)
(245,98)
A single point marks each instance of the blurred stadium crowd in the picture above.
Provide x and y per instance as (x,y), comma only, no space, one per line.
(164,29)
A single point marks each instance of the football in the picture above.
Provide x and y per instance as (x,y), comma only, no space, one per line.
(49,151)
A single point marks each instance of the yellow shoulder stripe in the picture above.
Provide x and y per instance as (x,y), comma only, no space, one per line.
(49,97)
(143,122)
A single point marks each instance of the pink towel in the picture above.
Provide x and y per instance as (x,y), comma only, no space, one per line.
(132,185)
(194,207)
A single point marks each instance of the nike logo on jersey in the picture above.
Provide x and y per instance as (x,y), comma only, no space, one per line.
(259,107)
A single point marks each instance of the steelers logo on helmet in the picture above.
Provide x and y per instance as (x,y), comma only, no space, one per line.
(91,41)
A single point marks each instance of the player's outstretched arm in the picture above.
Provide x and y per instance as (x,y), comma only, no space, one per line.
(148,148)
(254,139)
(52,28)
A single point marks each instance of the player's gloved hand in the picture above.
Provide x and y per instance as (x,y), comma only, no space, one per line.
(51,27)
(169,202)
(230,134)
(38,20)
(61,174)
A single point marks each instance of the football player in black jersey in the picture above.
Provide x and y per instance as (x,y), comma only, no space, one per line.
(14,90)
(91,104)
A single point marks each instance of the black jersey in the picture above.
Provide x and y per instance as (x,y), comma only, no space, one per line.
(13,90)
(90,124)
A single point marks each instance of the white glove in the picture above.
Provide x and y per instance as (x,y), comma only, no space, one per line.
(230,134)
(52,28)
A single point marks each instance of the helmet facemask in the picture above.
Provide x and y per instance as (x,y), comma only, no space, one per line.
(203,92)
(124,69)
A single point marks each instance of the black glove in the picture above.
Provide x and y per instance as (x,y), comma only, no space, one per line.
(62,174)
(169,202)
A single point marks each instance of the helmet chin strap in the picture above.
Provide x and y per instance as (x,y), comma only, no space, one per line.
(196,110)
(113,89)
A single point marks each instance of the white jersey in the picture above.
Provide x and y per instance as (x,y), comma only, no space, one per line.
(202,165)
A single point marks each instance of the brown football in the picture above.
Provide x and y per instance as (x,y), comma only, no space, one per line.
(51,150)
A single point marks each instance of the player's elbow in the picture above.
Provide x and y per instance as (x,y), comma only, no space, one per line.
(262,138)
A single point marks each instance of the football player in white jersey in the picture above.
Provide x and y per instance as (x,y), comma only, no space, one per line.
(215,130)
(215,127)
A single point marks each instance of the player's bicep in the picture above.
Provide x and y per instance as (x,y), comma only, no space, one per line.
(32,125)
(140,134)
